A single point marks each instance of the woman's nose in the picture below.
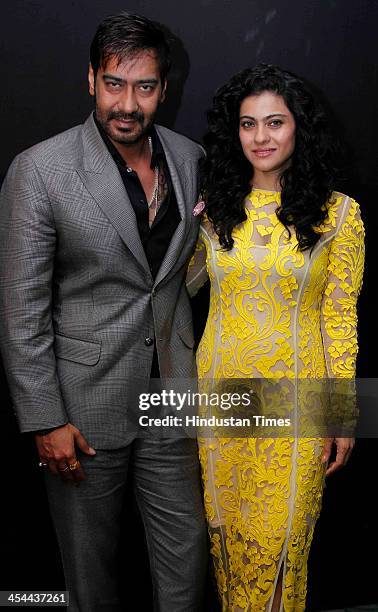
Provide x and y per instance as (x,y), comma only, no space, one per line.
(261,134)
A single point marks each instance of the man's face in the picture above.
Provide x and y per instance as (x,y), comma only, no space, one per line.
(127,96)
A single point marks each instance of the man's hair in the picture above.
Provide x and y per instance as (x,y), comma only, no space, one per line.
(124,36)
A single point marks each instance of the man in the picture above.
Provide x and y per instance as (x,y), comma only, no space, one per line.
(97,227)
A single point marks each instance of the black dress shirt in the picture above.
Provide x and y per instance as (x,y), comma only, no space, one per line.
(155,239)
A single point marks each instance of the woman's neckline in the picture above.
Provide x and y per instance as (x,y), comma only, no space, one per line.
(264,190)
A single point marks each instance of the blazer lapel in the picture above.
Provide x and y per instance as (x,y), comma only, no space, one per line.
(102,179)
(176,167)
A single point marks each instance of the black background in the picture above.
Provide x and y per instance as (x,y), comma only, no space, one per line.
(44,57)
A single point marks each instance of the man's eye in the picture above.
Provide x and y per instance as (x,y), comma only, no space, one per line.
(113,84)
(146,88)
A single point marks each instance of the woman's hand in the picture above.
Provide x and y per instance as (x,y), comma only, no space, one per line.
(344,449)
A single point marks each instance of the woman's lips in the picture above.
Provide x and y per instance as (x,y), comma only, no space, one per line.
(263,152)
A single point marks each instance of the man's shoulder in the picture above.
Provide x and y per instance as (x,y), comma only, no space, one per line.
(180,144)
(61,150)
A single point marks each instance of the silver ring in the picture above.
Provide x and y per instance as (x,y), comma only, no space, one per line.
(42,465)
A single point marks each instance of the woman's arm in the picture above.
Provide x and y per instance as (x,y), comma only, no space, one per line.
(197,274)
(339,321)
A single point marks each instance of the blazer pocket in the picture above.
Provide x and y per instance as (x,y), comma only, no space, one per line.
(79,351)
(186,335)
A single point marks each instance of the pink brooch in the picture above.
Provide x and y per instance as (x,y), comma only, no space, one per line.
(198,208)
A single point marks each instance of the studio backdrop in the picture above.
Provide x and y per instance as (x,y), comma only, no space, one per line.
(332,43)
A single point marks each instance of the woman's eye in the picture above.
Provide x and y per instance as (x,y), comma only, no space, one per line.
(247,124)
(276,123)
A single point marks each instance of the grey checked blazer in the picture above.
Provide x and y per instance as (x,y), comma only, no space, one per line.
(77,299)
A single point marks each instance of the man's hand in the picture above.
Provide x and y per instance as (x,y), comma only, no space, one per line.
(344,449)
(57,449)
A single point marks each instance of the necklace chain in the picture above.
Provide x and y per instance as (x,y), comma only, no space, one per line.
(155,190)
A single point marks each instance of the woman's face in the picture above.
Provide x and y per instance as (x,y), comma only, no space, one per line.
(267,135)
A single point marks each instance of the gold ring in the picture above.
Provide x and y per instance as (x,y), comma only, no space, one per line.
(73,466)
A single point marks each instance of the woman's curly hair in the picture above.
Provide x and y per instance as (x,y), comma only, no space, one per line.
(306,184)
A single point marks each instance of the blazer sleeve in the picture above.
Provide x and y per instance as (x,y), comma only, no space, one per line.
(27,249)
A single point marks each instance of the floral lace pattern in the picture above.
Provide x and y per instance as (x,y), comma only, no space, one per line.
(281,314)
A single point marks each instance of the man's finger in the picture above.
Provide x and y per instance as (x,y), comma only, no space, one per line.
(74,467)
(64,471)
(83,444)
(52,467)
(76,470)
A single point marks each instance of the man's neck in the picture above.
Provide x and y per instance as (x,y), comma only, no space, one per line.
(135,154)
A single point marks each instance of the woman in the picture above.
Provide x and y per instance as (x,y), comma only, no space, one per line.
(284,254)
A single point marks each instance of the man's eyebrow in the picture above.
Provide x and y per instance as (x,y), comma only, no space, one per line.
(112,77)
(151,81)
(267,117)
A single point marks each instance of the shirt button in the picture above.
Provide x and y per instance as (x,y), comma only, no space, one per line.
(148,342)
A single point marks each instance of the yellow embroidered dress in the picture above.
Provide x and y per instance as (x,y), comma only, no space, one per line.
(274,312)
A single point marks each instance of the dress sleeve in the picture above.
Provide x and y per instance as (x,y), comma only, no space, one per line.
(339,304)
(197,274)
(339,318)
